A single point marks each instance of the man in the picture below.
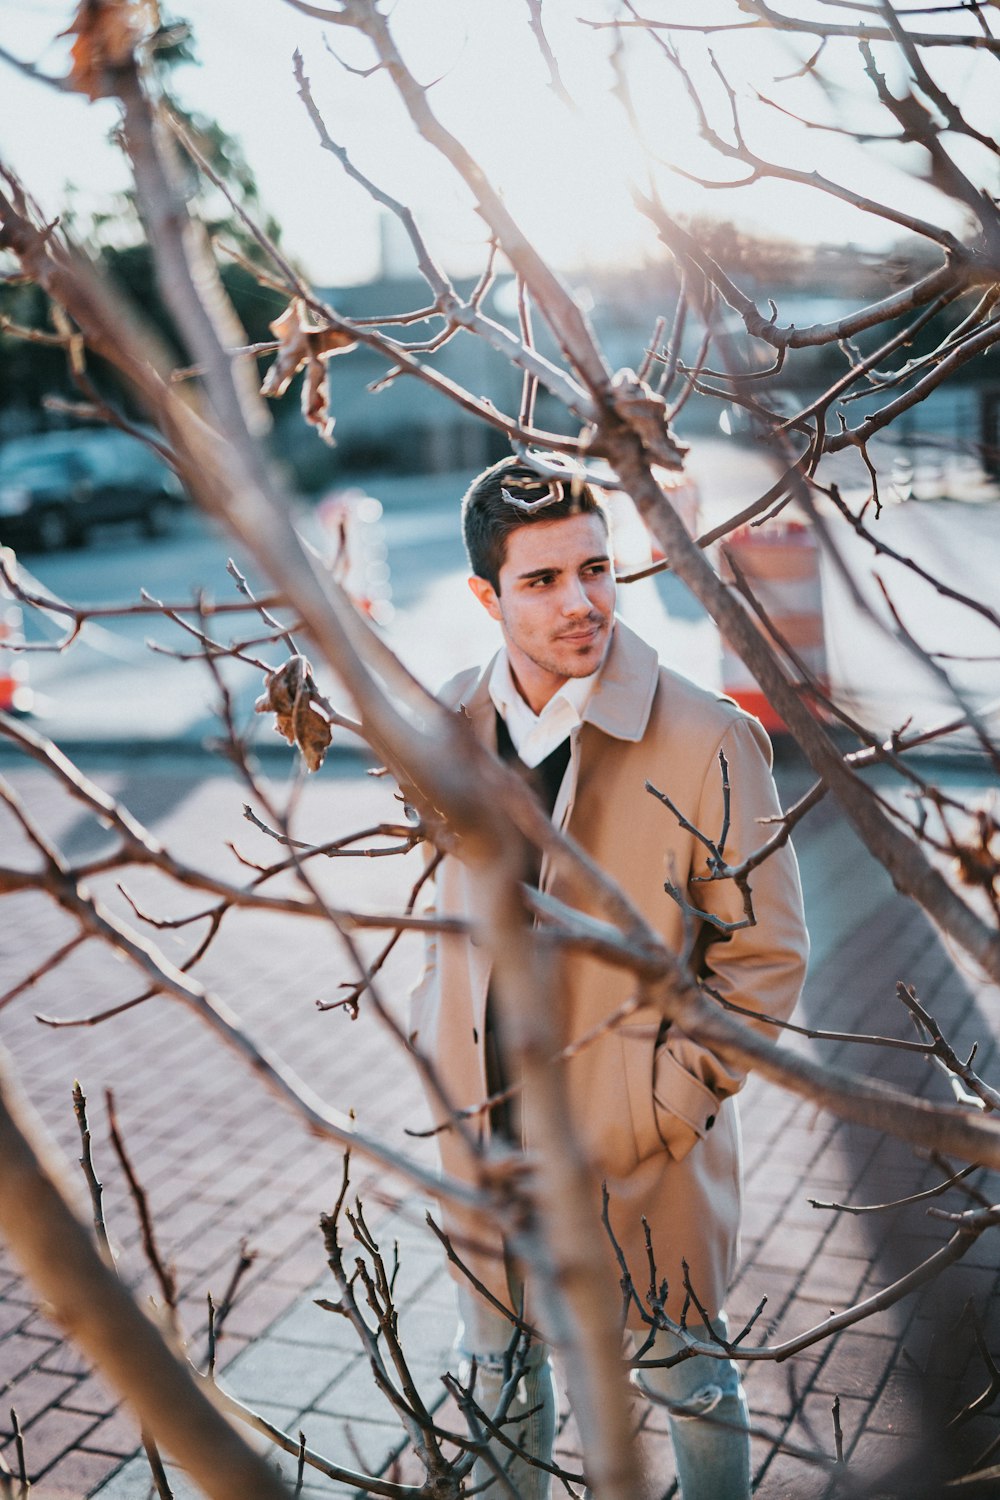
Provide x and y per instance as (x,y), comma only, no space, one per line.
(580,705)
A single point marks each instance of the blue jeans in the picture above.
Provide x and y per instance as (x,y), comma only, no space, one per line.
(707,1409)
(484,1335)
(709,1418)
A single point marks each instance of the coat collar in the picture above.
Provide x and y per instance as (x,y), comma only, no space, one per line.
(620,703)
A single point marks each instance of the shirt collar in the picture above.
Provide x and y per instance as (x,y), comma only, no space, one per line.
(534,736)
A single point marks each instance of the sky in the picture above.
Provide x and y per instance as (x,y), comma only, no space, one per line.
(566,173)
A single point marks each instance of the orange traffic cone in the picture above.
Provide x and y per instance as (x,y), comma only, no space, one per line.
(782,565)
(15,693)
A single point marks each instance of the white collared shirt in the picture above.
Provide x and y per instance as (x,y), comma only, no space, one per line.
(534,736)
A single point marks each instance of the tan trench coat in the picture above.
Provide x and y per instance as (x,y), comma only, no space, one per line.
(655,1117)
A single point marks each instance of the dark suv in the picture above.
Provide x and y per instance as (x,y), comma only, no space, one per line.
(55,487)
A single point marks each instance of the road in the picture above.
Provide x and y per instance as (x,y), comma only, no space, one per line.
(115,685)
(114,688)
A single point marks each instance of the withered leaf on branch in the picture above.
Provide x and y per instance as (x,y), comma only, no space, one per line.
(977,863)
(107,33)
(291,694)
(304,344)
(645,411)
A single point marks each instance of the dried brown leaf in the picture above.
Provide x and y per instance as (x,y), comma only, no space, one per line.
(107,33)
(978,862)
(302,343)
(300,710)
(642,409)
(316,400)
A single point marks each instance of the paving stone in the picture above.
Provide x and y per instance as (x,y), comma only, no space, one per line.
(880,1453)
(305,1323)
(783,1476)
(760,1211)
(897,1409)
(799,1317)
(423,1276)
(13,1315)
(276,1370)
(857,1364)
(833,1281)
(75,1474)
(19,1353)
(853,1237)
(38,1326)
(129,1482)
(257,1307)
(290,1231)
(426,1335)
(979,1436)
(34,1393)
(363,1445)
(207,1262)
(354,1394)
(52,1434)
(182,1487)
(791,1246)
(63,1359)
(813,1423)
(132,1480)
(751,1285)
(190,1219)
(301,1266)
(439,1294)
(287,1418)
(775,1391)
(117,1434)
(941,1348)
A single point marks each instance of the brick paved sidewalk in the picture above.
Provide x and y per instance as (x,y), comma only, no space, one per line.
(221,1161)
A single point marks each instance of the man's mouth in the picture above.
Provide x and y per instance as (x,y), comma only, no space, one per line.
(586,634)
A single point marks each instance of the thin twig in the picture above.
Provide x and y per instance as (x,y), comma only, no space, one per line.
(164,1273)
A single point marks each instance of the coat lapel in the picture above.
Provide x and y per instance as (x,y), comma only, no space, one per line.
(620,704)
(477,705)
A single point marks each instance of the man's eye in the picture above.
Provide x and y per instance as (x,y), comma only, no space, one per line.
(542,582)
(596,570)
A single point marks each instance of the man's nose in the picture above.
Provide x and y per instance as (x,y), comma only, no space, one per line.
(575,598)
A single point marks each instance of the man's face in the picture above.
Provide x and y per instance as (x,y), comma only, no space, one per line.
(556,603)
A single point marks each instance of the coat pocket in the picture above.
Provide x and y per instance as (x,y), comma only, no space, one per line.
(684,1108)
(637,1040)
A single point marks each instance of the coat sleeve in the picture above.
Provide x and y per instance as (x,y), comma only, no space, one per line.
(759,967)
(428,972)
(450,695)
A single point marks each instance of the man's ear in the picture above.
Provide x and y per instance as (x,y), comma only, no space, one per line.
(486,594)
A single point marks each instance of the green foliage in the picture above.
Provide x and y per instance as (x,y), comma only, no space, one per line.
(29,372)
(113,236)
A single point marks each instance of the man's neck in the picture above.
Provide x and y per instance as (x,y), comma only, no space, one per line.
(541,695)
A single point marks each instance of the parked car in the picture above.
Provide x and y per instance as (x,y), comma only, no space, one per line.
(55,487)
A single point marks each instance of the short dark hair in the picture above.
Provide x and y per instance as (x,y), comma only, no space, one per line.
(488,518)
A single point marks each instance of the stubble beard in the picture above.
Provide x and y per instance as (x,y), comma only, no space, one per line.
(578,661)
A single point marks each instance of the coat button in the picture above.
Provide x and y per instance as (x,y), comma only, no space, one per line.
(709,1122)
